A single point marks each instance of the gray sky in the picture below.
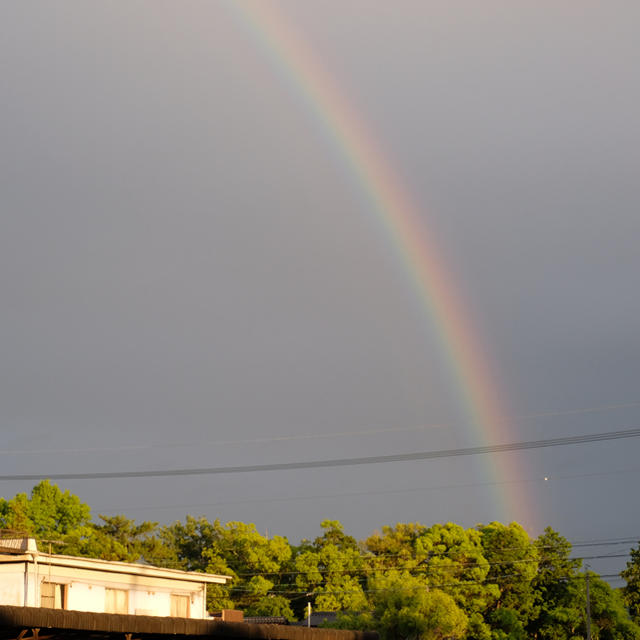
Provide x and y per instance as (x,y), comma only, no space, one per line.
(191,276)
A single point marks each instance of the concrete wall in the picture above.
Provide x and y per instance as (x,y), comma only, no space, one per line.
(87,590)
(12,584)
(85,597)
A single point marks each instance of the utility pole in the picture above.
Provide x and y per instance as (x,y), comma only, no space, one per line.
(586,577)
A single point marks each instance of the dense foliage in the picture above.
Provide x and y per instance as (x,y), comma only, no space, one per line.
(410,581)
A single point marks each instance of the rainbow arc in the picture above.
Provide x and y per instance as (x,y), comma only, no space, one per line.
(403,223)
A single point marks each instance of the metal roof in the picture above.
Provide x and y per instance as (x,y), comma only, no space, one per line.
(58,624)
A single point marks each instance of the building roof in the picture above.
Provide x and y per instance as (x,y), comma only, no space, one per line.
(62,625)
(20,554)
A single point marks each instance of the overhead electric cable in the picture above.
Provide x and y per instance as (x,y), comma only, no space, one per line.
(456,585)
(346,494)
(336,462)
(368,492)
(578,411)
(218,443)
(451,553)
(421,568)
(293,437)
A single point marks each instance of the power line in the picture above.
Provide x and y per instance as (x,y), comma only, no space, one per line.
(608,542)
(367,492)
(293,437)
(217,443)
(420,569)
(456,585)
(339,462)
(579,411)
(451,554)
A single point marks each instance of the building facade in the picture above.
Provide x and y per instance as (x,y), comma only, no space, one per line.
(31,578)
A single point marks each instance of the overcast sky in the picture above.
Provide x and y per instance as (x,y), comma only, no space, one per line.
(190,274)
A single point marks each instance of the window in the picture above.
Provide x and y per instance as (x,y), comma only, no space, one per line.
(179,606)
(53,595)
(116,601)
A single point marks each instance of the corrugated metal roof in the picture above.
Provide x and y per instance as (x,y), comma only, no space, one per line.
(67,624)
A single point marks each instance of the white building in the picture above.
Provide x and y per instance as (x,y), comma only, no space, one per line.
(34,579)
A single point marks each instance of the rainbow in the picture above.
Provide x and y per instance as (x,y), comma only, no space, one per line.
(402,223)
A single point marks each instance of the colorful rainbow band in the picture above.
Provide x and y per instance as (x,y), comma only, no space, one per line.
(402,223)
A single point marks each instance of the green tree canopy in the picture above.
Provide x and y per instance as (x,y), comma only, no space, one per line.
(631,590)
(255,562)
(47,513)
(403,609)
(119,538)
(557,614)
(610,619)
(331,570)
(513,564)
(445,557)
(50,514)
(409,581)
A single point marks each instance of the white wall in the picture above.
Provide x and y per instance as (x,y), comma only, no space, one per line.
(150,603)
(86,589)
(12,584)
(85,597)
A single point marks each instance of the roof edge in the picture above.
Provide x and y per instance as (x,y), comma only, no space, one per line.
(114,566)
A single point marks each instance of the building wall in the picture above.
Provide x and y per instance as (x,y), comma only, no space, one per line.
(12,584)
(86,590)
(85,597)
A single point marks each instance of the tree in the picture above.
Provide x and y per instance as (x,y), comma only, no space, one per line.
(187,542)
(397,546)
(457,565)
(63,520)
(513,564)
(631,591)
(331,569)
(119,538)
(254,561)
(557,614)
(610,619)
(403,609)
(554,561)
(443,556)
(408,582)
(47,513)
